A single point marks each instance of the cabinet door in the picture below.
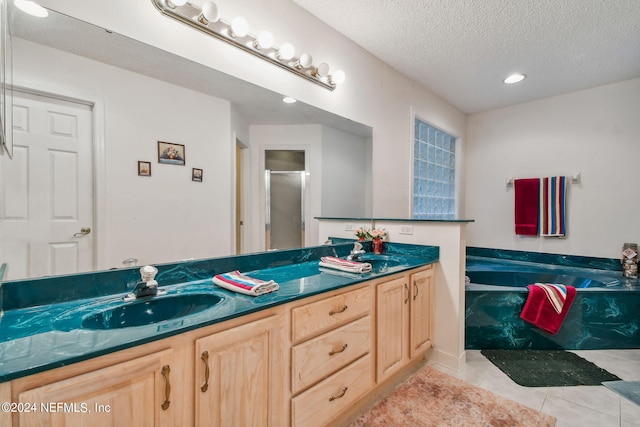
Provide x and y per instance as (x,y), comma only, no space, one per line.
(136,393)
(240,376)
(392,326)
(421,312)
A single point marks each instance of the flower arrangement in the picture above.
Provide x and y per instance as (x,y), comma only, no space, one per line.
(379,233)
(362,233)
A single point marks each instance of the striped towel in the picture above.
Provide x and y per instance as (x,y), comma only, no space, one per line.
(344,265)
(547,305)
(238,282)
(552,206)
(556,295)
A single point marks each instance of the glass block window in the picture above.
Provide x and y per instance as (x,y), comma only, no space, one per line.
(434,172)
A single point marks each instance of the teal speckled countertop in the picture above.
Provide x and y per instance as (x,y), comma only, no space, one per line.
(43,331)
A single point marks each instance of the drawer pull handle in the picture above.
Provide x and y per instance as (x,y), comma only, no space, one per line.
(415,294)
(205,359)
(344,347)
(341,309)
(406,288)
(167,387)
(342,392)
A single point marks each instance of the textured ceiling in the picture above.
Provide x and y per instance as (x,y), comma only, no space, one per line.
(462,49)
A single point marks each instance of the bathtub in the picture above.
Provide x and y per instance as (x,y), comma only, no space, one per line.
(604,315)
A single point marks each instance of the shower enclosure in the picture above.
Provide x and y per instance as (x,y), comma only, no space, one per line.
(284,178)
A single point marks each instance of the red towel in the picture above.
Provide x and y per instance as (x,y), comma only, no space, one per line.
(540,312)
(527,206)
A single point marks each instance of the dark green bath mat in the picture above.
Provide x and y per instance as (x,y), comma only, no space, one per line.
(547,368)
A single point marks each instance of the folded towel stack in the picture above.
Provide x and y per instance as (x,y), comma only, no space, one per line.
(344,265)
(238,282)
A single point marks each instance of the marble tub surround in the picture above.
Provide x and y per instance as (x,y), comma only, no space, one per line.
(604,314)
(46,331)
(547,258)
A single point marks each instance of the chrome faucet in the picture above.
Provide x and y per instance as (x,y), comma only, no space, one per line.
(355,252)
(147,287)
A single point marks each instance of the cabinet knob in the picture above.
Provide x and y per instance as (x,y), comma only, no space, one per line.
(338,396)
(340,309)
(344,347)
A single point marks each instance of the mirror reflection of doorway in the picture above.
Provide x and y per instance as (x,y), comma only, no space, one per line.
(285,184)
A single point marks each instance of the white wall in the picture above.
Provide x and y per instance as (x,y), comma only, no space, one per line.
(187,219)
(346,174)
(373,93)
(595,132)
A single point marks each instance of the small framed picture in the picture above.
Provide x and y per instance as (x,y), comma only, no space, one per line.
(171,154)
(144,168)
(196,175)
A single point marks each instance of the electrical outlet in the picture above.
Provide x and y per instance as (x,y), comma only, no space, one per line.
(406,229)
(348,227)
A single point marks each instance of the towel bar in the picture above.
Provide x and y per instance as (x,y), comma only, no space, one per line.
(576,178)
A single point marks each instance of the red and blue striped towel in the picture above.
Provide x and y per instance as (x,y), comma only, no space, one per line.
(552,206)
(556,295)
(547,305)
(238,282)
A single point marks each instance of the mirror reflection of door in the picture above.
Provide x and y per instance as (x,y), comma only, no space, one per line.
(239,207)
(47,208)
(285,184)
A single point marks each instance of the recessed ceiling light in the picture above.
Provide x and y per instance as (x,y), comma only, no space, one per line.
(514,78)
(288,100)
(31,8)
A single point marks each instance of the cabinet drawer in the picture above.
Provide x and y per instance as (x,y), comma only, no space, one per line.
(319,357)
(311,319)
(321,403)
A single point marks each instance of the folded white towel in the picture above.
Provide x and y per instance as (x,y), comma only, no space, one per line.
(344,265)
(238,282)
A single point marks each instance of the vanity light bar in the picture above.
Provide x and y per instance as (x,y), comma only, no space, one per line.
(191,15)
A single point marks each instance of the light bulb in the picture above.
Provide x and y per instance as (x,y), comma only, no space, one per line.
(209,13)
(264,40)
(239,27)
(322,70)
(176,3)
(286,51)
(337,77)
(305,61)
(288,100)
(31,8)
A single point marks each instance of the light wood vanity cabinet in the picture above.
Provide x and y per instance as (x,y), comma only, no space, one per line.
(239,376)
(421,312)
(404,321)
(312,362)
(134,393)
(331,360)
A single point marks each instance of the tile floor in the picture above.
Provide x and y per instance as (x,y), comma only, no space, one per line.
(581,406)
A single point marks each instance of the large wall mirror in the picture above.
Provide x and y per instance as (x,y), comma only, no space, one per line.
(87,189)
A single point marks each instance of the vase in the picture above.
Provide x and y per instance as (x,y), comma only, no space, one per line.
(377,246)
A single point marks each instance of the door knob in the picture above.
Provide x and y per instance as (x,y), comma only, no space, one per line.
(83,231)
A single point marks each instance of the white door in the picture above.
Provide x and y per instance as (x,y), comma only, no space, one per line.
(46,216)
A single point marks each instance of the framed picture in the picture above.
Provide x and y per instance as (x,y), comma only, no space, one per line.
(171,154)
(196,175)
(144,168)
